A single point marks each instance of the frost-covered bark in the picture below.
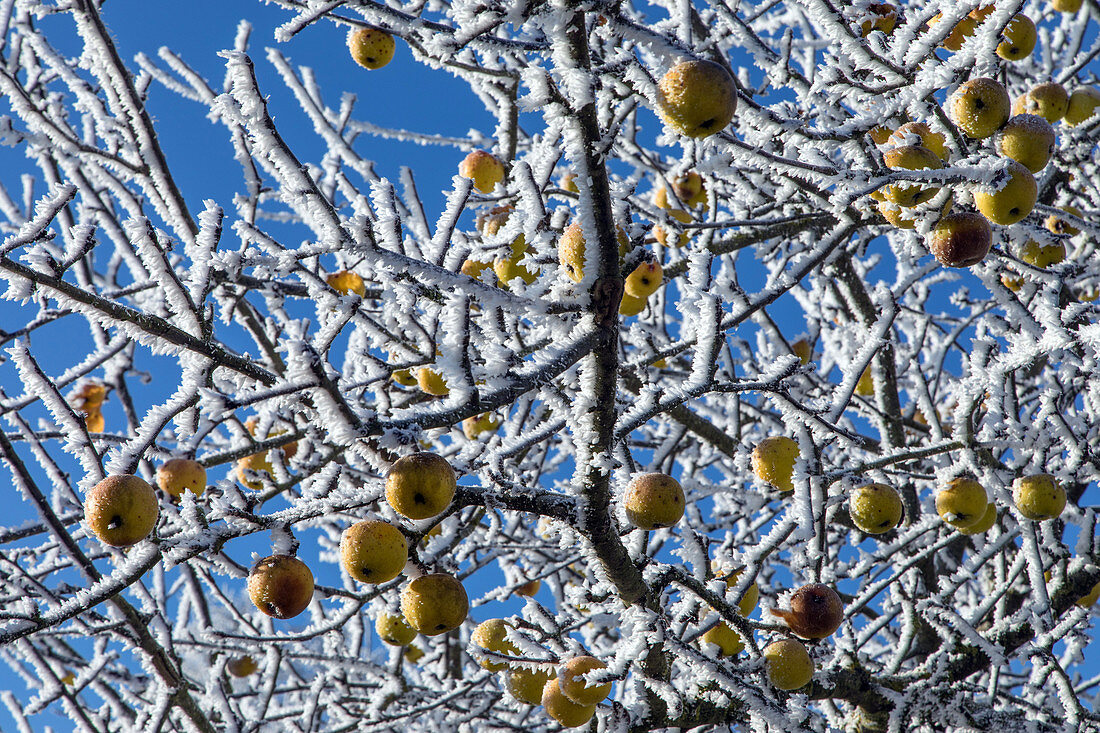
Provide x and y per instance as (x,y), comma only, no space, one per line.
(989,372)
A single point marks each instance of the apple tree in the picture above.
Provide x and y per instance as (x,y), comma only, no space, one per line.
(742,374)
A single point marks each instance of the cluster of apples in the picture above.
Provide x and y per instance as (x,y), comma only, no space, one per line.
(566,692)
(88,400)
(964,504)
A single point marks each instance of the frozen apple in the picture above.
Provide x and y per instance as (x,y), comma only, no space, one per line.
(177,475)
(394,630)
(1039,497)
(816,611)
(653,501)
(1028,139)
(492,636)
(483,168)
(1012,200)
(961,239)
(962,502)
(370,47)
(980,107)
(1019,38)
(788,664)
(420,485)
(875,508)
(373,551)
(434,604)
(281,586)
(121,510)
(566,712)
(773,461)
(697,98)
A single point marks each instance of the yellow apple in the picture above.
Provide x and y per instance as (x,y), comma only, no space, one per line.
(1019,38)
(985,523)
(1039,497)
(1062,226)
(241,666)
(1028,139)
(911,157)
(1082,105)
(644,280)
(177,475)
(631,306)
(773,461)
(566,712)
(121,510)
(393,629)
(431,382)
(434,604)
(1013,201)
(653,501)
(251,469)
(370,47)
(980,107)
(420,485)
(1050,101)
(1066,6)
(492,636)
(865,387)
(373,551)
(962,503)
(788,664)
(920,133)
(697,98)
(571,681)
(875,508)
(473,427)
(483,168)
(728,641)
(526,685)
